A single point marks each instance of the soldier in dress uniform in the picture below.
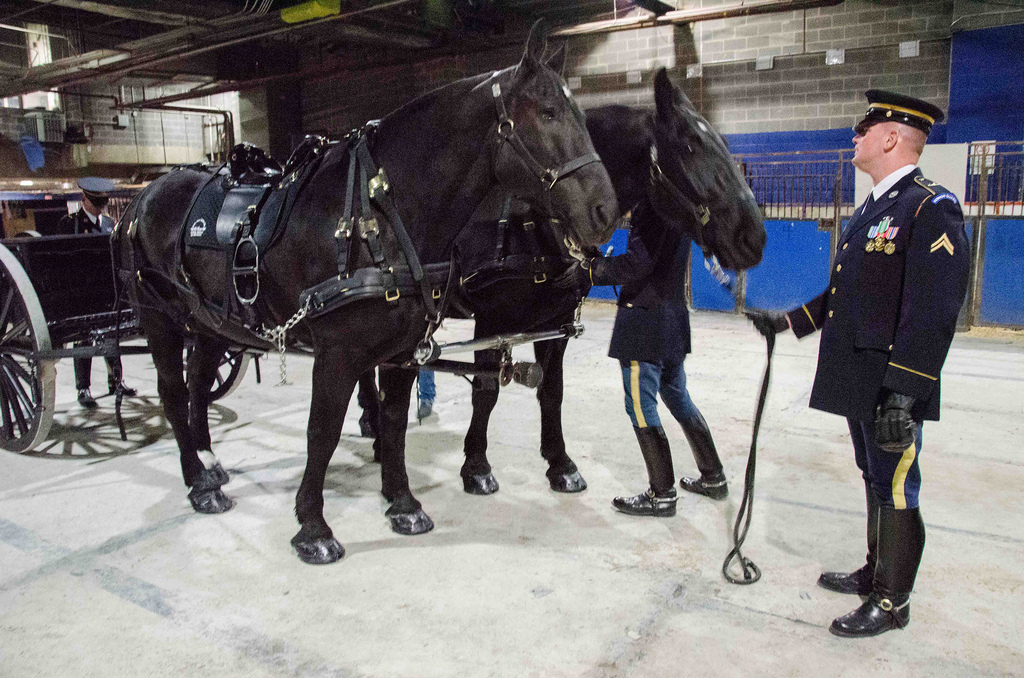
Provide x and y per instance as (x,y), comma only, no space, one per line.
(650,339)
(91,219)
(887,319)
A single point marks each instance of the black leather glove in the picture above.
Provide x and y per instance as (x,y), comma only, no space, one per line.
(576,278)
(768,323)
(894,427)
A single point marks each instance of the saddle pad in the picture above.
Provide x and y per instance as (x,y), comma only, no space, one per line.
(201,223)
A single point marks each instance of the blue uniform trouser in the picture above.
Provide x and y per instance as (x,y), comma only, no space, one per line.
(426,390)
(894,478)
(643,381)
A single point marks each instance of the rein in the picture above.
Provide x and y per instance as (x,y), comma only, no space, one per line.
(751,572)
(697,205)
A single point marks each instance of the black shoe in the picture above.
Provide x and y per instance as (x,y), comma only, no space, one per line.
(125,390)
(647,504)
(86,400)
(424,409)
(714,487)
(877,615)
(858,582)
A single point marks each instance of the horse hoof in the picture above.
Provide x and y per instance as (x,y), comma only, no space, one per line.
(323,551)
(411,524)
(568,482)
(220,475)
(480,484)
(210,501)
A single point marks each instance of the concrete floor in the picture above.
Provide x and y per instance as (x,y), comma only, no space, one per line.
(105,570)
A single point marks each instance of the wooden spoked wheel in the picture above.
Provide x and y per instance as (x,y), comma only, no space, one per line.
(26,376)
(232,368)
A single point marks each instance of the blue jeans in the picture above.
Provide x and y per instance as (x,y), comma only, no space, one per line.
(426,390)
(642,383)
(894,478)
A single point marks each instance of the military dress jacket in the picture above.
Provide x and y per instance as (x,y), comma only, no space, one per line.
(79,222)
(889,313)
(652,323)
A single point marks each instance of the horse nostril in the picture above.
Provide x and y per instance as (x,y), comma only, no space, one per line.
(600,214)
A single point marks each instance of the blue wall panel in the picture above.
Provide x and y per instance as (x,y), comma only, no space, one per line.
(618,245)
(794,269)
(986,91)
(1003,273)
(707,293)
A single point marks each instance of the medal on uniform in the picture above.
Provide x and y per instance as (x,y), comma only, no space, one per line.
(889,248)
(879,243)
(870,247)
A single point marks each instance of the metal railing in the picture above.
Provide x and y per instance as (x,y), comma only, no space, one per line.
(995,179)
(801,184)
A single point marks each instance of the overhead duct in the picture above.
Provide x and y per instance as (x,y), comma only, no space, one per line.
(685,16)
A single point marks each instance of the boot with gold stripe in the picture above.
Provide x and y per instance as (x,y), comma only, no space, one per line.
(900,545)
(660,499)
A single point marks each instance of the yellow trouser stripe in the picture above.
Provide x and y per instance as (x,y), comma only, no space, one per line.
(634,392)
(804,307)
(899,479)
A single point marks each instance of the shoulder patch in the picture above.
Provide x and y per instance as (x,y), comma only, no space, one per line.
(945,196)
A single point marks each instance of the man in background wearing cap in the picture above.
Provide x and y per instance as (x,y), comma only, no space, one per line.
(90,219)
(887,319)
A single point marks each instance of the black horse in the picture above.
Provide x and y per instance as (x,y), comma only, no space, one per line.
(667,164)
(517,128)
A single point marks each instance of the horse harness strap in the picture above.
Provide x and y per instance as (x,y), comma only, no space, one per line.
(371,183)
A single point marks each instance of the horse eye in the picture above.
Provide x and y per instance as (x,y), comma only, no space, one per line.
(549,114)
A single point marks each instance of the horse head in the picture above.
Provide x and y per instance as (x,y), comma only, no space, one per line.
(544,152)
(696,186)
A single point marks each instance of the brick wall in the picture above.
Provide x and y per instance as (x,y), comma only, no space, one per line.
(799,93)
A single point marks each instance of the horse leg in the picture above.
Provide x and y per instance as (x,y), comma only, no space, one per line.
(202,373)
(476,470)
(166,343)
(333,383)
(562,473)
(405,513)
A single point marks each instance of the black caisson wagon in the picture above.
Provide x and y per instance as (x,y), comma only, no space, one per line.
(56,292)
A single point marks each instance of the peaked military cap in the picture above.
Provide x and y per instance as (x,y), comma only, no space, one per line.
(96,187)
(893,107)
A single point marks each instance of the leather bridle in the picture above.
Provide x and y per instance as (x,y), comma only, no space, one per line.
(691,200)
(507,136)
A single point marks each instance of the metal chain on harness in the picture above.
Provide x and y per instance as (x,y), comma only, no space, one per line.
(277,337)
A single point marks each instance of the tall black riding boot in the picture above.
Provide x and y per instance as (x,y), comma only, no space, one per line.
(900,545)
(712,479)
(860,581)
(660,499)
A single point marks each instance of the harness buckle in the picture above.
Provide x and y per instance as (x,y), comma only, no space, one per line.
(344,228)
(511,127)
(540,277)
(367,228)
(550,175)
(436,293)
(378,184)
(392,295)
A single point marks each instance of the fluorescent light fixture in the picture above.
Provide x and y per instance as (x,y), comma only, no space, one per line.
(764,63)
(575,82)
(694,71)
(633,77)
(25,182)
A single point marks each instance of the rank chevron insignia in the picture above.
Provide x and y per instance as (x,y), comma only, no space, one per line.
(943,243)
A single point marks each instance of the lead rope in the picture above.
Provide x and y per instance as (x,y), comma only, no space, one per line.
(751,572)
(277,337)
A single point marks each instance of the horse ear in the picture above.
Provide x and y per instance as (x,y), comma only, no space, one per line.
(536,43)
(666,95)
(556,61)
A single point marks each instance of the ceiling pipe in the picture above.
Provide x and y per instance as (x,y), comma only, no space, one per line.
(684,16)
(174,54)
